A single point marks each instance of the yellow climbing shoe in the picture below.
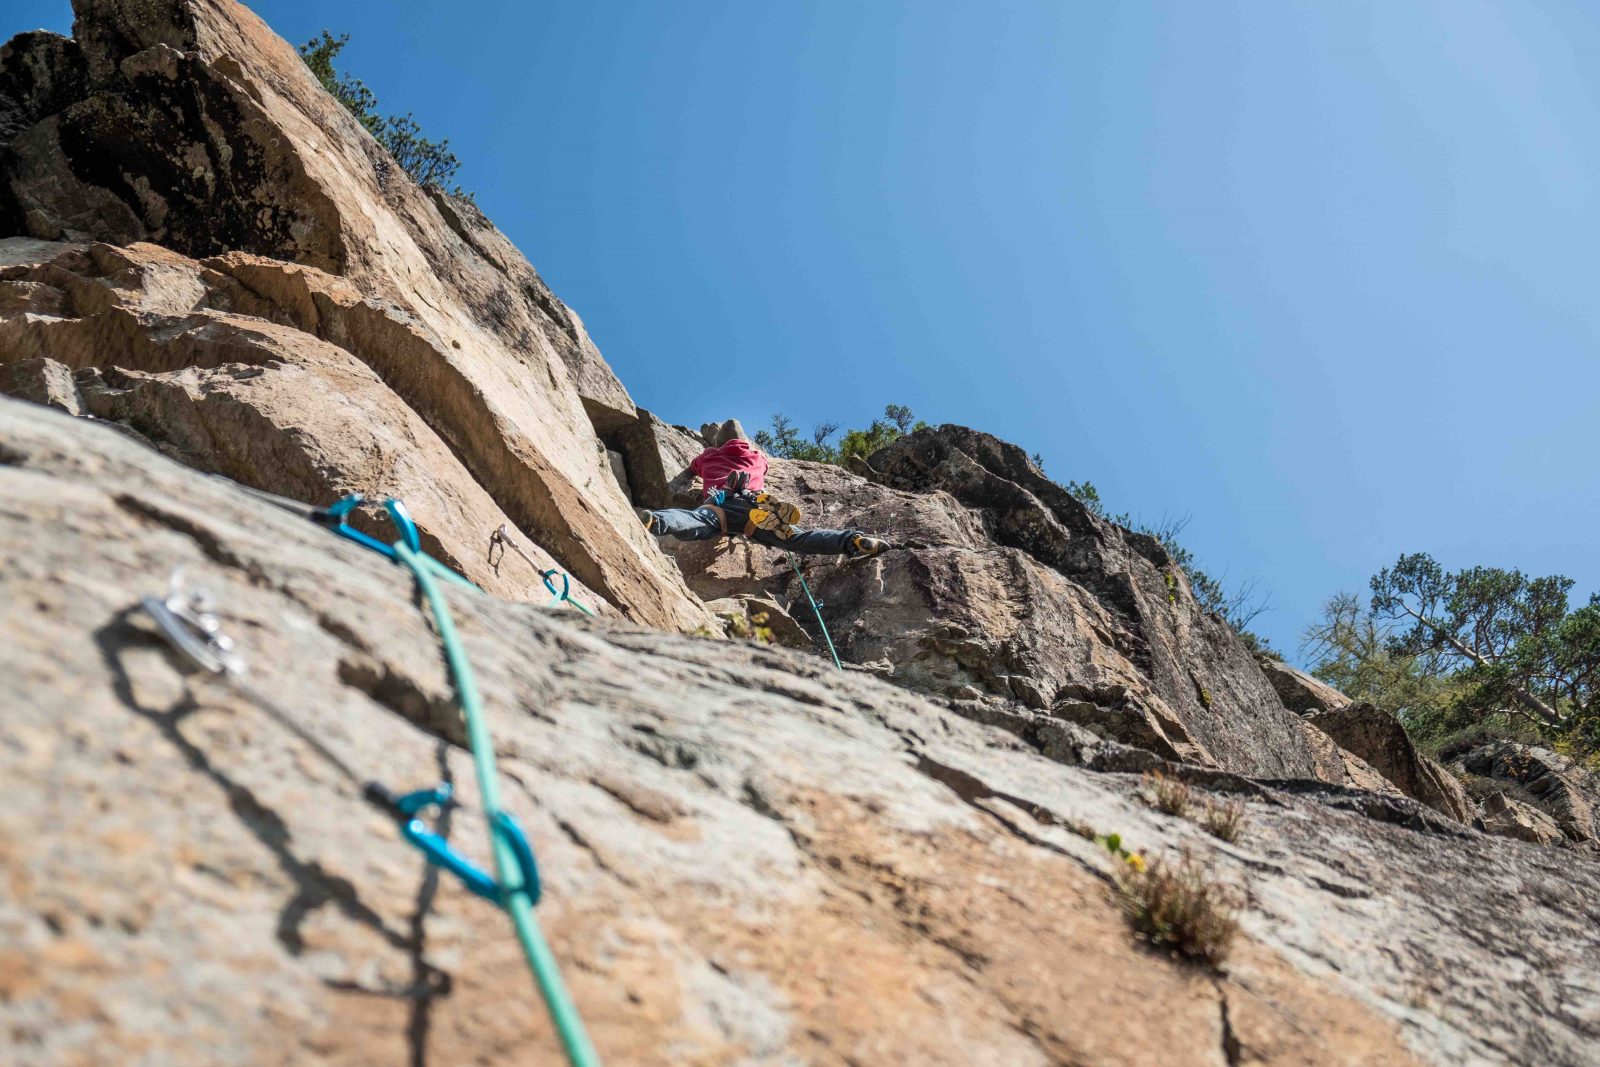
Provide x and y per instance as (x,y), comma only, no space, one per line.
(788,514)
(862,545)
(763,519)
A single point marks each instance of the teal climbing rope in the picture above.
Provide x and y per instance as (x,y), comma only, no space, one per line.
(517,898)
(818,609)
(566,590)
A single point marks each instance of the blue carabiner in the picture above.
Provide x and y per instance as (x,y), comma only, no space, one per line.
(566,590)
(566,586)
(406,810)
(334,516)
(403,522)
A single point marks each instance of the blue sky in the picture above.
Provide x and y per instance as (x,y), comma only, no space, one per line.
(1322,277)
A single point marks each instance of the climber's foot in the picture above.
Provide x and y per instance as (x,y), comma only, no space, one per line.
(764,519)
(861,546)
(788,513)
(647,517)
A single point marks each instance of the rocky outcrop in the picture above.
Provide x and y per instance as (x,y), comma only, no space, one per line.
(1298,690)
(1019,605)
(1378,738)
(1552,784)
(1505,817)
(190,201)
(747,858)
(657,457)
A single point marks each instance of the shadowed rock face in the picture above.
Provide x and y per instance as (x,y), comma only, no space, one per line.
(1377,737)
(1552,784)
(747,858)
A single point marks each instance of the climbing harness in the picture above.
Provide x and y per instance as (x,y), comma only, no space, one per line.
(816,607)
(502,538)
(187,621)
(758,509)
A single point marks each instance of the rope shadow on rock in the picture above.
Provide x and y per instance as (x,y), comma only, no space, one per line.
(314,885)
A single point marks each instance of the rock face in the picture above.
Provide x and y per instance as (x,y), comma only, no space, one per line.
(747,857)
(656,457)
(1379,739)
(224,287)
(294,259)
(1552,784)
(1506,817)
(1022,606)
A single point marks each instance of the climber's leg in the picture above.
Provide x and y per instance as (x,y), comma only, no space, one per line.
(851,543)
(700,524)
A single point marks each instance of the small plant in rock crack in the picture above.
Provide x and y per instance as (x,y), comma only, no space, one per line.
(1179,908)
(1168,795)
(1113,844)
(1225,821)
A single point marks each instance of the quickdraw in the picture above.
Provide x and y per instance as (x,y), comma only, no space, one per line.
(502,538)
(187,621)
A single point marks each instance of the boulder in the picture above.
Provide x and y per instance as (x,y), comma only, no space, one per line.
(1299,691)
(1559,788)
(1378,738)
(1506,817)
(43,381)
(1343,767)
(749,615)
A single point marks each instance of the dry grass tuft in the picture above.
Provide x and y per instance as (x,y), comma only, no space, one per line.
(1225,821)
(1178,908)
(1167,795)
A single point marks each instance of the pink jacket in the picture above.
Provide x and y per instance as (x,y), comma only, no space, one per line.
(715,464)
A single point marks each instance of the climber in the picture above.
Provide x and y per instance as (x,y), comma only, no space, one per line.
(734,501)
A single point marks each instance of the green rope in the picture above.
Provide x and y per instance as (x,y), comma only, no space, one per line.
(534,947)
(816,608)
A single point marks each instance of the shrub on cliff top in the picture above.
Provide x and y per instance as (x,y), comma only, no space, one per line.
(431,164)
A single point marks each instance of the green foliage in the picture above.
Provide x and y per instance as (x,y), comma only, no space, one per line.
(1453,654)
(1348,647)
(431,164)
(1178,907)
(1514,641)
(785,441)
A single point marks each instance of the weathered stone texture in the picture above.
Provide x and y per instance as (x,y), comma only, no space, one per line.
(1024,603)
(188,124)
(1378,738)
(747,857)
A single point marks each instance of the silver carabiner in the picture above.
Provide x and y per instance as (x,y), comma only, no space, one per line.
(189,623)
